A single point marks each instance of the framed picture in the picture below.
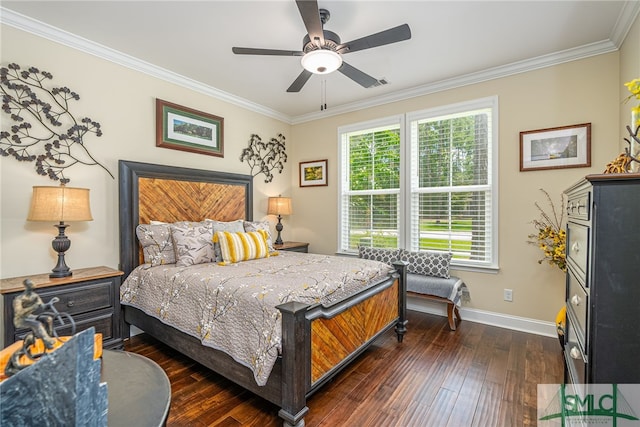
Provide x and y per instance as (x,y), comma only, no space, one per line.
(186,129)
(313,174)
(555,148)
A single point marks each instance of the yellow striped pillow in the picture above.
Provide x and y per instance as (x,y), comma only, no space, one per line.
(236,247)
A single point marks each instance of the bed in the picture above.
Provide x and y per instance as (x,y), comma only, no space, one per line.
(317,340)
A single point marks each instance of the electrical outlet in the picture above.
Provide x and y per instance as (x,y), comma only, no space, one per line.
(508,295)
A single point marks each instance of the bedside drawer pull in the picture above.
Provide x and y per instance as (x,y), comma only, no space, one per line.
(576,300)
(70,303)
(575,247)
(575,353)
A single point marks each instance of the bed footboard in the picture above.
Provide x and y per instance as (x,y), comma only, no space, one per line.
(318,342)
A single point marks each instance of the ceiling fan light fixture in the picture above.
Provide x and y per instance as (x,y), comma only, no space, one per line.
(321,61)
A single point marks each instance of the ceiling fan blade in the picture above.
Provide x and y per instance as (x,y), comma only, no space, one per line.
(274,52)
(300,81)
(392,35)
(311,17)
(363,79)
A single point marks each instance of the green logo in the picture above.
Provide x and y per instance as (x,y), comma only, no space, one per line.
(585,404)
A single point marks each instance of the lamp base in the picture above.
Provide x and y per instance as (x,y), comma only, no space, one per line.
(61,244)
(279,228)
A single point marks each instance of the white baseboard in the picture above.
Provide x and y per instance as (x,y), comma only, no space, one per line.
(533,326)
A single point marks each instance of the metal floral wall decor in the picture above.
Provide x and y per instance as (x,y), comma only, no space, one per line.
(264,157)
(45,130)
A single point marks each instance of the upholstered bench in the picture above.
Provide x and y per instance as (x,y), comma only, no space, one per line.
(427,276)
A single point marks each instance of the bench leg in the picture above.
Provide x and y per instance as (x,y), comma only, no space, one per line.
(451,307)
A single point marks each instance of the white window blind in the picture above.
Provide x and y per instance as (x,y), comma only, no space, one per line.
(370,187)
(451,184)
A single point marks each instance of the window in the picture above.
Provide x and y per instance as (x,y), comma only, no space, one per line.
(451,182)
(370,186)
(447,200)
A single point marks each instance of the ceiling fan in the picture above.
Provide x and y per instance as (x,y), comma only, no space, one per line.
(322,50)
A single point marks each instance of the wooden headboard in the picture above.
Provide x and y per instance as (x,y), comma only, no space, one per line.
(151,192)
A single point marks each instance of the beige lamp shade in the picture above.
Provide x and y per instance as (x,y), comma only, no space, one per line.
(60,204)
(279,206)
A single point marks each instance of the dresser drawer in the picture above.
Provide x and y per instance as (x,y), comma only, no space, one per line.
(81,299)
(578,249)
(574,356)
(579,206)
(578,303)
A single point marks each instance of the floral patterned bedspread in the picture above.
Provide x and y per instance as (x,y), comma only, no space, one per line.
(232,308)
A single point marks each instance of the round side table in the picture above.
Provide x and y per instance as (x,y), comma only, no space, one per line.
(139,390)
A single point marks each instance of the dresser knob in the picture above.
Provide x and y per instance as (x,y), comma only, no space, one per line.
(575,247)
(576,300)
(70,303)
(575,353)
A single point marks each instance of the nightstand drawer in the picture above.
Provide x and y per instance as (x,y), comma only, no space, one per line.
(102,323)
(82,298)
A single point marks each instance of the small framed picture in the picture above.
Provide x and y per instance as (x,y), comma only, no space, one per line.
(186,129)
(313,174)
(555,148)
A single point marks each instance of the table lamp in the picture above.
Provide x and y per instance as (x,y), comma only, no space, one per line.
(60,204)
(279,206)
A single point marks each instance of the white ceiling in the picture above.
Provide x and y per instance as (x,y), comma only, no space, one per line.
(453,43)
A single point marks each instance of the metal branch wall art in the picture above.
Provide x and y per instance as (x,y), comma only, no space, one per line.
(264,157)
(45,130)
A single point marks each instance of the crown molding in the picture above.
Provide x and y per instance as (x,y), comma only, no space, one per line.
(65,38)
(627,17)
(519,67)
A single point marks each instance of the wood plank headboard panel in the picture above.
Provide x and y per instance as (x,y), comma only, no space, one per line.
(166,193)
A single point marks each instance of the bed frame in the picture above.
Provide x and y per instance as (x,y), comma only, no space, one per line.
(317,341)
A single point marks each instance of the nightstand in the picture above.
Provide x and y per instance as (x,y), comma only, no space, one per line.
(91,296)
(292,246)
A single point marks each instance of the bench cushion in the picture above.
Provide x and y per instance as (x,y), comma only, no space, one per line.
(451,288)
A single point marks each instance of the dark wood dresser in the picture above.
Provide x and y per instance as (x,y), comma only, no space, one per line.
(91,296)
(602,339)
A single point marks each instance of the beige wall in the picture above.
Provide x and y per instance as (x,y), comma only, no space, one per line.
(576,92)
(123,102)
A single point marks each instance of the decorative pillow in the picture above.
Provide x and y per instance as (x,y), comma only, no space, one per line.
(157,244)
(242,246)
(236,226)
(428,263)
(260,225)
(193,243)
(379,254)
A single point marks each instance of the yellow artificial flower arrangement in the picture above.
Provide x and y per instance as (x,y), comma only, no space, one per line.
(634,87)
(551,237)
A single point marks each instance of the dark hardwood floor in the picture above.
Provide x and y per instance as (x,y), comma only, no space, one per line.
(478,375)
